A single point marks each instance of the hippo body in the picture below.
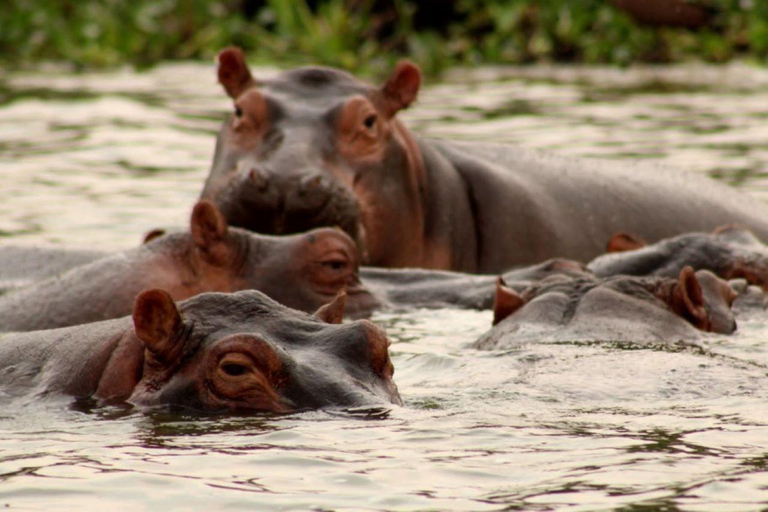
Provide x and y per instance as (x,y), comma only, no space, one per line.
(302,271)
(315,146)
(22,265)
(638,310)
(214,352)
(397,288)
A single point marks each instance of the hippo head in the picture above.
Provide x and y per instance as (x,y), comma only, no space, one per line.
(315,147)
(245,352)
(302,271)
(617,308)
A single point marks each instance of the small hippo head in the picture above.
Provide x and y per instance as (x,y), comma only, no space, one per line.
(618,308)
(302,271)
(730,251)
(245,352)
(315,147)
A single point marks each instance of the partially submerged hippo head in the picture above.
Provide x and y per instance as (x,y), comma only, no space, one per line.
(621,308)
(730,251)
(316,147)
(244,351)
(302,271)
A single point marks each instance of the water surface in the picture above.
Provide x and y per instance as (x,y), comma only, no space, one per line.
(96,160)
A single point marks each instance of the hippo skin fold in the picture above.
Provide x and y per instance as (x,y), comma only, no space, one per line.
(314,147)
(302,271)
(214,352)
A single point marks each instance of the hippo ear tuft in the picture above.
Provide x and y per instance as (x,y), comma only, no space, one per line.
(233,71)
(333,312)
(505,302)
(401,87)
(688,299)
(156,321)
(207,224)
(622,242)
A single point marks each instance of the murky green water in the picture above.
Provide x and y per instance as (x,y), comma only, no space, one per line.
(96,160)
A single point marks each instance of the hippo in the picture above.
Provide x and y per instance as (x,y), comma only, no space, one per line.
(730,251)
(643,310)
(314,146)
(301,271)
(22,265)
(214,352)
(399,288)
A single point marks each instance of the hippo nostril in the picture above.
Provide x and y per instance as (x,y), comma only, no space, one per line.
(258,179)
(310,183)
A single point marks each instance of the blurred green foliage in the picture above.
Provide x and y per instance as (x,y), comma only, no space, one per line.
(368,35)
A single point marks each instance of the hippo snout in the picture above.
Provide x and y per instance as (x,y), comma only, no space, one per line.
(265,201)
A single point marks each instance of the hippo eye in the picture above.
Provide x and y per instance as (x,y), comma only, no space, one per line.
(335,264)
(238,111)
(234,370)
(370,121)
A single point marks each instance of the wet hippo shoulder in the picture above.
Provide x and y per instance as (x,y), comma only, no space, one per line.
(214,352)
(315,147)
(303,271)
(629,309)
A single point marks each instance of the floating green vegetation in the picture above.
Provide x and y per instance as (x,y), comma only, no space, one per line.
(368,36)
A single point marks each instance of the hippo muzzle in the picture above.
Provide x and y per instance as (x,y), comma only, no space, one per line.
(260,200)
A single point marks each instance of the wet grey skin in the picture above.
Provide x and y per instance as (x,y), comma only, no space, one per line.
(428,203)
(731,252)
(624,309)
(398,288)
(214,352)
(303,271)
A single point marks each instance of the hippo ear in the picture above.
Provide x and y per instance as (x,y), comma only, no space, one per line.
(156,322)
(506,301)
(688,299)
(207,224)
(152,234)
(233,71)
(621,242)
(401,87)
(333,312)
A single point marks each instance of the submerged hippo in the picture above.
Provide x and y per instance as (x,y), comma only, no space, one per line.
(301,271)
(214,352)
(617,309)
(731,252)
(316,147)
(437,288)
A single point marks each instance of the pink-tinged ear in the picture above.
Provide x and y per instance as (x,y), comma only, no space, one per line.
(233,71)
(333,312)
(401,88)
(151,235)
(505,302)
(156,322)
(621,242)
(688,299)
(207,225)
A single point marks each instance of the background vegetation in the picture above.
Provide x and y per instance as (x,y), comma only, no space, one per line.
(367,35)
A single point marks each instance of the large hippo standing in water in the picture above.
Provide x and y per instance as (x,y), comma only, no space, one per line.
(316,147)
(214,352)
(301,271)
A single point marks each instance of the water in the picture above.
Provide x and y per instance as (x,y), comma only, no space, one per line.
(96,160)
